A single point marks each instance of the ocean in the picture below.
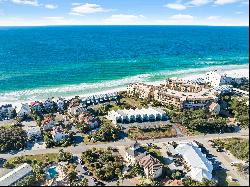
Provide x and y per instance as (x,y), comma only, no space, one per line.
(41,62)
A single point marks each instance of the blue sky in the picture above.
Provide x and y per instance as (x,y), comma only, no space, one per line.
(124,12)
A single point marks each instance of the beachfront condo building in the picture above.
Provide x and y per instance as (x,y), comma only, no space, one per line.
(185,99)
(141,90)
(176,92)
(215,79)
(184,86)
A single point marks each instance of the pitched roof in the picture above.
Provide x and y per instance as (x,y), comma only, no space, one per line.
(200,165)
(151,163)
(213,105)
(15,175)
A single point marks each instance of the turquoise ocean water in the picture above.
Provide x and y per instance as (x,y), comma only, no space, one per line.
(38,62)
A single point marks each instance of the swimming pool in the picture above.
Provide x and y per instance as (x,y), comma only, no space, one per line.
(52,172)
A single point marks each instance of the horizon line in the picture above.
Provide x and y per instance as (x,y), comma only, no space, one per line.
(123,25)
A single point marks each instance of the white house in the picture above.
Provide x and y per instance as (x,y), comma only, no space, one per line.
(134,153)
(200,166)
(95,99)
(58,134)
(25,110)
(214,108)
(88,119)
(135,115)
(16,175)
(32,130)
(152,166)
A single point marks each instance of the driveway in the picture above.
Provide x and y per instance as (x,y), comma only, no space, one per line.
(226,162)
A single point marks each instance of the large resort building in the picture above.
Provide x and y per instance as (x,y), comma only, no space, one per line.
(185,99)
(141,90)
(176,92)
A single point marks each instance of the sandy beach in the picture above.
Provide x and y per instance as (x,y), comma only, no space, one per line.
(244,72)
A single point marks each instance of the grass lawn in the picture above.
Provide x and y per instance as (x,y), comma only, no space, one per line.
(238,147)
(233,184)
(137,133)
(132,102)
(43,158)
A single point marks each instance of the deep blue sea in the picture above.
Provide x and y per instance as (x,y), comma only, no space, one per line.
(38,62)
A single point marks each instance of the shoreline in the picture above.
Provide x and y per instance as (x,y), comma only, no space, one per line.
(241,71)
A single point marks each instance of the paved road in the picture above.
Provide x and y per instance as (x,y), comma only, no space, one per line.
(82,147)
(226,162)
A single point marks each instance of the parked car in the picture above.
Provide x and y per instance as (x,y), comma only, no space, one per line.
(234,163)
(219,149)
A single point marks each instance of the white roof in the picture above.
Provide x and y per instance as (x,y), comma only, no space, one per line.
(172,150)
(200,166)
(137,111)
(15,175)
(199,173)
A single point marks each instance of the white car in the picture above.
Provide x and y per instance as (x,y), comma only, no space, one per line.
(234,163)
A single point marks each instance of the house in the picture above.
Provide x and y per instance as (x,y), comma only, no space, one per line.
(199,166)
(60,104)
(134,153)
(62,118)
(214,108)
(74,102)
(48,105)
(174,182)
(33,131)
(24,111)
(101,98)
(16,175)
(36,106)
(129,116)
(88,119)
(6,112)
(58,134)
(48,123)
(76,110)
(152,166)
